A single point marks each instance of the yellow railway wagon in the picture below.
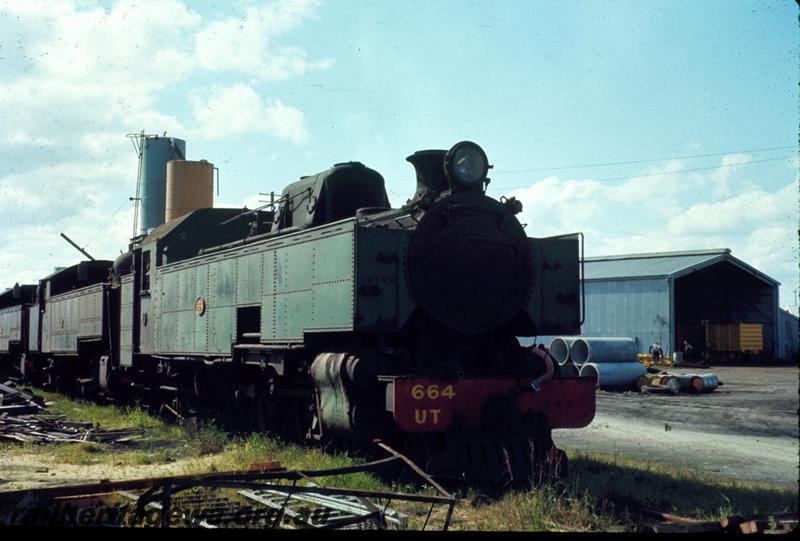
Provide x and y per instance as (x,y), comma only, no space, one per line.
(739,337)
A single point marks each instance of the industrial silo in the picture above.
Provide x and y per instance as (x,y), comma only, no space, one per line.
(189,187)
(154,153)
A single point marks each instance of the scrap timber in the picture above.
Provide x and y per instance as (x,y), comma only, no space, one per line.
(24,419)
(652,521)
(43,429)
(16,402)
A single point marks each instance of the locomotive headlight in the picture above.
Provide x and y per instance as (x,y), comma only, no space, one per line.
(466,164)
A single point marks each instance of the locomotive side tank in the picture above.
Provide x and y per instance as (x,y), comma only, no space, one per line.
(15,306)
(75,343)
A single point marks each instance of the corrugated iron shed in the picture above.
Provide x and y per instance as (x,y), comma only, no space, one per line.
(788,336)
(663,264)
(664,296)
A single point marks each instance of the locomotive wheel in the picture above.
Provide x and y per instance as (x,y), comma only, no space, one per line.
(261,410)
(236,413)
(296,420)
(21,366)
(58,377)
(228,415)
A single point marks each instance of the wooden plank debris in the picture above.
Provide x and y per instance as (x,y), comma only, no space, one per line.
(16,401)
(54,429)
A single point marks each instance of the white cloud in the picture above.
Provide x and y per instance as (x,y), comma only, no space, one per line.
(722,176)
(78,76)
(747,211)
(662,213)
(139,44)
(22,137)
(244,44)
(93,69)
(238,109)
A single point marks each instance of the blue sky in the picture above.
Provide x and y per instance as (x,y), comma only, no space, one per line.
(271,91)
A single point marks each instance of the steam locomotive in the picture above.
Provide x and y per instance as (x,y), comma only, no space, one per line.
(331,317)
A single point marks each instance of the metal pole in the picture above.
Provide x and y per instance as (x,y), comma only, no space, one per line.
(81,250)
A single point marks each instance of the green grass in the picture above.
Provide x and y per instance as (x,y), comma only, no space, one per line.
(600,490)
(621,481)
(82,454)
(543,508)
(594,497)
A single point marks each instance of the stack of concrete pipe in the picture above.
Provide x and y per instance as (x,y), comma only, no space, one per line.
(612,362)
(559,350)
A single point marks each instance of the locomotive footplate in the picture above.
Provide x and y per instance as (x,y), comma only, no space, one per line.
(430,405)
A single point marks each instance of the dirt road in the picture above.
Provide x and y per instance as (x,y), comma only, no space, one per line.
(747,429)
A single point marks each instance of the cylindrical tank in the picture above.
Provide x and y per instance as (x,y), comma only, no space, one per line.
(673,383)
(614,375)
(559,349)
(190,186)
(705,383)
(155,153)
(603,350)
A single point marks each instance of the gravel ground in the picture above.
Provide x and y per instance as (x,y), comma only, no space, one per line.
(747,429)
(19,471)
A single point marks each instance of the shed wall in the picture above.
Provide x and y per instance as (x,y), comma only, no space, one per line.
(788,347)
(638,309)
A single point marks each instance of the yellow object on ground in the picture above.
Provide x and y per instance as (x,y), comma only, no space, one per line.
(647,360)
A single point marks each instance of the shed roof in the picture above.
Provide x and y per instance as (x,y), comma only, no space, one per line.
(788,314)
(663,264)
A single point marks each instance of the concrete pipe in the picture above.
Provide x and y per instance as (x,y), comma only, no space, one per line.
(569,369)
(603,350)
(614,375)
(559,349)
